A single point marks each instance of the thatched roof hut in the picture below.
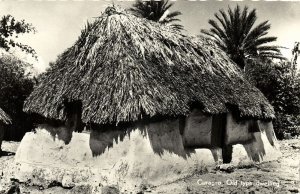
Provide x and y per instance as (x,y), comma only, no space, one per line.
(4,118)
(123,69)
(144,91)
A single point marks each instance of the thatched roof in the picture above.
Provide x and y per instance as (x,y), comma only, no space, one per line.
(122,68)
(4,118)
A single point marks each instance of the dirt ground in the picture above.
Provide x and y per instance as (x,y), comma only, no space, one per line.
(280,176)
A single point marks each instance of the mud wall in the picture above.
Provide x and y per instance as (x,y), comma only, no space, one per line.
(63,131)
(102,140)
(198,130)
(217,133)
(163,136)
(128,162)
(239,131)
(154,153)
(267,127)
(60,132)
(256,148)
(263,144)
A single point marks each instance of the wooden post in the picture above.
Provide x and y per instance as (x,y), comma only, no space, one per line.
(227,153)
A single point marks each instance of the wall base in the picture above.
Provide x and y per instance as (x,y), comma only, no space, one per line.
(127,163)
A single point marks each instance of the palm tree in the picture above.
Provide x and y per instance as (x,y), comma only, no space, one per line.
(235,33)
(157,11)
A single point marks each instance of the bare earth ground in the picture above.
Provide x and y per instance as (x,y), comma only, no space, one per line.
(281,176)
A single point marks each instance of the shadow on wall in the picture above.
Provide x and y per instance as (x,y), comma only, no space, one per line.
(248,133)
(179,136)
(217,133)
(163,137)
(63,131)
(102,138)
(60,132)
(268,128)
(255,150)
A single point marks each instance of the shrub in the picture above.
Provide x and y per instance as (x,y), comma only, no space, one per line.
(276,82)
(16,84)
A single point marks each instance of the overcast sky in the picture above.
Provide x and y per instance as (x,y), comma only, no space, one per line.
(59,23)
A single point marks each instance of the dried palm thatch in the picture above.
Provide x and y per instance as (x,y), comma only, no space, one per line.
(4,118)
(123,68)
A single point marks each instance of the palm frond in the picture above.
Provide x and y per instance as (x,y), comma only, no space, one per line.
(174,14)
(235,33)
(156,11)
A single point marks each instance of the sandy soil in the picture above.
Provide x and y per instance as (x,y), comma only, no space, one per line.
(280,176)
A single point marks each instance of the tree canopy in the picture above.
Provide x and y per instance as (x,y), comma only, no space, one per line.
(157,11)
(10,29)
(234,31)
(15,85)
(16,82)
(282,89)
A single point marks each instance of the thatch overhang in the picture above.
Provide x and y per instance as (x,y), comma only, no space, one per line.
(4,118)
(123,68)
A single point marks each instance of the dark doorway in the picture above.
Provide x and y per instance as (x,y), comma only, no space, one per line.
(218,134)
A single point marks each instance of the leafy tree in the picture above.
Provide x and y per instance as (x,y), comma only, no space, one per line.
(235,33)
(157,11)
(10,29)
(15,85)
(16,82)
(281,88)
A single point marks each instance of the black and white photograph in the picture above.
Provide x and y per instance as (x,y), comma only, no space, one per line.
(149,96)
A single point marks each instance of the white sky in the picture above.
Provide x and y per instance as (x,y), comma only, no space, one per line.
(59,23)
